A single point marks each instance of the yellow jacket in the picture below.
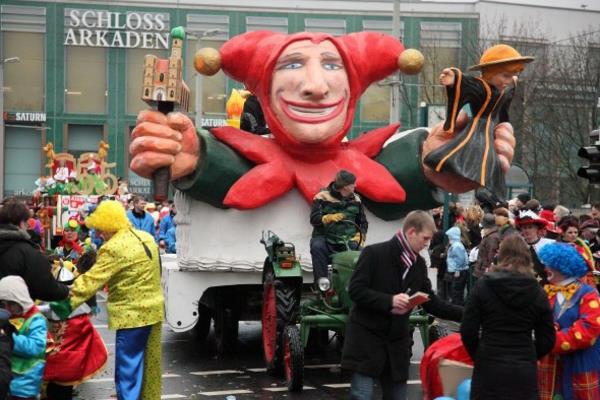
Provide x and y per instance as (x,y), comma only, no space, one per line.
(135,297)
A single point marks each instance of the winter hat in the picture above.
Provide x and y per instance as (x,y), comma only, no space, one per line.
(344,178)
(564,258)
(592,224)
(13,288)
(109,216)
(524,197)
(548,215)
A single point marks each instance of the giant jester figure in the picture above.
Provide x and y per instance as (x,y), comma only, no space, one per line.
(233,184)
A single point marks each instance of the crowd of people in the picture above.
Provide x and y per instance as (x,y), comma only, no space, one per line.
(48,344)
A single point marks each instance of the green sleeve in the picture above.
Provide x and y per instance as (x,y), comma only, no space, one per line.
(403,159)
(218,169)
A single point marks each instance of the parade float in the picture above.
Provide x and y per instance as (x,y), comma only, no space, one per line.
(72,186)
(232,185)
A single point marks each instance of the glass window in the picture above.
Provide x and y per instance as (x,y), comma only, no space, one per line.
(21,144)
(440,44)
(85,84)
(135,69)
(375,103)
(84,138)
(213,87)
(24,81)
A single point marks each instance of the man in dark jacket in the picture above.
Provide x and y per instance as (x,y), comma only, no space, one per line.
(377,344)
(253,119)
(19,256)
(488,248)
(337,215)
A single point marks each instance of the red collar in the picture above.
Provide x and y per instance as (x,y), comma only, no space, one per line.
(33,310)
(278,169)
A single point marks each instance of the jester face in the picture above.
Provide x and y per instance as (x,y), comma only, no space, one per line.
(310,91)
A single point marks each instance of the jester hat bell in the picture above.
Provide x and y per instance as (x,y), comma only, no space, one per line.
(250,58)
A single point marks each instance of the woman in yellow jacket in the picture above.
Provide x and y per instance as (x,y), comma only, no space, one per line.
(128,262)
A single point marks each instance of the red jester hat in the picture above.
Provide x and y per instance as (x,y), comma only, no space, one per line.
(283,162)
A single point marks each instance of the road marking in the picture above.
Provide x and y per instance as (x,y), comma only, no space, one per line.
(317,366)
(413,382)
(101,326)
(284,388)
(172,396)
(221,372)
(224,392)
(337,385)
(256,369)
(164,341)
(415,362)
(99,380)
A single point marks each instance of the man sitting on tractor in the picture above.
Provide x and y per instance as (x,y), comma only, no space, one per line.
(339,222)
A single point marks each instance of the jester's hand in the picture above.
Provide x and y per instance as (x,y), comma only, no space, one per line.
(504,143)
(160,140)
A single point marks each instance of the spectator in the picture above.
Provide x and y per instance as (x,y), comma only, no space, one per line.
(437,254)
(377,344)
(166,223)
(589,230)
(530,226)
(6,345)
(522,199)
(458,265)
(19,256)
(488,247)
(473,217)
(506,306)
(533,205)
(560,212)
(139,218)
(595,213)
(171,239)
(569,225)
(503,221)
(28,356)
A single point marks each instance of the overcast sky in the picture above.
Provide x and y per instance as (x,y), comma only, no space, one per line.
(589,4)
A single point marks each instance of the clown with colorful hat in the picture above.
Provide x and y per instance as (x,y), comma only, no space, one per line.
(69,248)
(470,153)
(572,370)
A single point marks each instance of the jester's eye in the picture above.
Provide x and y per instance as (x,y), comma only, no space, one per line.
(332,66)
(292,65)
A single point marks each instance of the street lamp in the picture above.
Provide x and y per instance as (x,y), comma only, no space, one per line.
(9,60)
(199,35)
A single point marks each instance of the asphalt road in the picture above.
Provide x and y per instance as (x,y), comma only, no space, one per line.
(191,371)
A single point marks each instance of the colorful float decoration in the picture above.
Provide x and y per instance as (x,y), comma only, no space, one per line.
(235,107)
(89,174)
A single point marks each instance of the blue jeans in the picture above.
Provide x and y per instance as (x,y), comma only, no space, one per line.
(321,251)
(362,387)
(130,346)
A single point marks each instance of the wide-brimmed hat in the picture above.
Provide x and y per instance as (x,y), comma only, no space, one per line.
(592,224)
(528,217)
(500,54)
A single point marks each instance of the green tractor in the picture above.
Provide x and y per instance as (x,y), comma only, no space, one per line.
(289,319)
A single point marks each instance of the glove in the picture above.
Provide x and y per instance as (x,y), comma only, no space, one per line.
(61,308)
(357,237)
(329,218)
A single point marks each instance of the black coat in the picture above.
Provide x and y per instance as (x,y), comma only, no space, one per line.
(375,338)
(6,344)
(19,256)
(507,308)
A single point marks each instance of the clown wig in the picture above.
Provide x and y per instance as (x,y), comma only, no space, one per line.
(564,258)
(109,216)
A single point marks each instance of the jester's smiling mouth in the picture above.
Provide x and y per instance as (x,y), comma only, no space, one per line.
(311,113)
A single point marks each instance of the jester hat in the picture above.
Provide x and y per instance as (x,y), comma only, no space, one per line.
(250,58)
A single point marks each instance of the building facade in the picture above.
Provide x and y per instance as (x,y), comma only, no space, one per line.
(78,78)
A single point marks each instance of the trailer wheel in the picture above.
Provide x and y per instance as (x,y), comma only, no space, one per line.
(203,325)
(293,358)
(279,308)
(226,329)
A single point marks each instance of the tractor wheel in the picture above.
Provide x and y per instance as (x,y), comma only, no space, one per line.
(293,358)
(280,306)
(203,325)
(226,329)
(436,332)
